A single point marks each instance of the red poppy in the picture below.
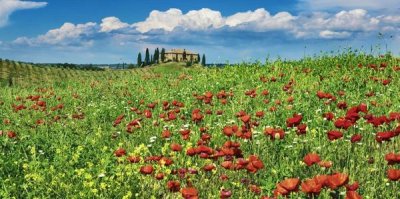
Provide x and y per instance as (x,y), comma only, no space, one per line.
(260,114)
(209,167)
(291,184)
(311,186)
(227,165)
(120,152)
(189,193)
(245,118)
(311,158)
(393,174)
(352,195)
(176,147)
(133,159)
(328,116)
(384,136)
(301,129)
(294,121)
(352,187)
(173,186)
(166,134)
(356,138)
(325,163)
(159,176)
(255,189)
(337,180)
(333,135)
(228,131)
(343,123)
(254,164)
(224,193)
(146,170)
(274,133)
(342,105)
(11,134)
(392,158)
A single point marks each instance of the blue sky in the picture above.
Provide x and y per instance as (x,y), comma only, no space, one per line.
(112,31)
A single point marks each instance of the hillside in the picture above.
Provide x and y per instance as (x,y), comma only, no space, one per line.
(325,126)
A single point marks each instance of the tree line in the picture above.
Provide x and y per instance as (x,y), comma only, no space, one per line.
(159,56)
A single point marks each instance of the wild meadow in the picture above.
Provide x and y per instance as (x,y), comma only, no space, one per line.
(319,127)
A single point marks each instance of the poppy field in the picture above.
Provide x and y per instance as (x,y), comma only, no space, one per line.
(320,127)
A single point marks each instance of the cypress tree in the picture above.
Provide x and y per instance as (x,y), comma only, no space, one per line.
(203,61)
(147,58)
(151,59)
(139,60)
(198,58)
(156,56)
(162,55)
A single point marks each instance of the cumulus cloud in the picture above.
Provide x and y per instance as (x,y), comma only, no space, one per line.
(202,19)
(175,27)
(349,4)
(112,23)
(67,35)
(7,7)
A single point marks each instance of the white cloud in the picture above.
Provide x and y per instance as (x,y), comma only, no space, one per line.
(112,23)
(67,35)
(202,19)
(328,34)
(7,7)
(350,4)
(175,26)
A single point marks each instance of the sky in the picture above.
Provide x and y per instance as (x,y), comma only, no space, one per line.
(234,31)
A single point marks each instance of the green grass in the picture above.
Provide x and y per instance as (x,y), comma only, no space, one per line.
(74,158)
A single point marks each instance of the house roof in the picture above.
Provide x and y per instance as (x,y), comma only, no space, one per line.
(180,51)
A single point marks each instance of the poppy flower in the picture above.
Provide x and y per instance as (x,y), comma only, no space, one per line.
(173,186)
(255,189)
(209,167)
(311,186)
(224,193)
(352,195)
(333,135)
(120,152)
(228,131)
(146,170)
(325,164)
(384,136)
(291,184)
(189,193)
(342,105)
(311,158)
(274,133)
(159,176)
(392,158)
(301,129)
(352,187)
(176,147)
(356,138)
(166,134)
(254,164)
(245,118)
(337,180)
(328,116)
(260,114)
(133,159)
(227,165)
(343,123)
(393,174)
(294,121)
(11,134)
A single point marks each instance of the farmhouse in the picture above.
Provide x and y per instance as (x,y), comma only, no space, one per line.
(181,55)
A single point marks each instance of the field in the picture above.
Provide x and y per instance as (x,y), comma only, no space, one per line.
(320,127)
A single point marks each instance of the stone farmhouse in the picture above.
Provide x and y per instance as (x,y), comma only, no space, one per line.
(181,55)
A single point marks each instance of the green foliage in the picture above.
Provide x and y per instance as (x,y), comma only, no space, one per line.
(203,60)
(147,58)
(139,60)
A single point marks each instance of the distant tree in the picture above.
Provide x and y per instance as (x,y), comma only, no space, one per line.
(156,56)
(139,60)
(184,55)
(162,55)
(203,60)
(151,59)
(198,58)
(147,58)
